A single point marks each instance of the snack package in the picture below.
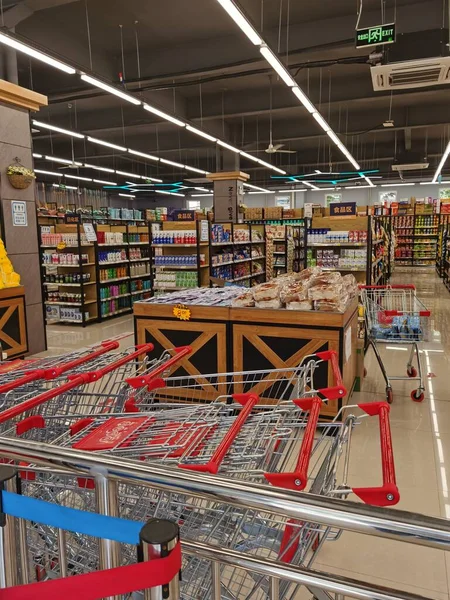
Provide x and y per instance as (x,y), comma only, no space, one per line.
(266,291)
(294,292)
(304,305)
(244,300)
(308,273)
(337,305)
(327,278)
(275,303)
(330,292)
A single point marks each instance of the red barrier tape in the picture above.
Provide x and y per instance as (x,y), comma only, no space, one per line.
(94,586)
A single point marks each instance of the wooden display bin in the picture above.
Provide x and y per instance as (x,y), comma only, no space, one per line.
(250,339)
(13,328)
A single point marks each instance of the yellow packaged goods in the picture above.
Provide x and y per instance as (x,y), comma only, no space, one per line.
(8,278)
(273,212)
(253,214)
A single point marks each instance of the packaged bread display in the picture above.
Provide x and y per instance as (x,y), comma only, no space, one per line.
(294,292)
(245,300)
(275,303)
(267,291)
(325,292)
(304,305)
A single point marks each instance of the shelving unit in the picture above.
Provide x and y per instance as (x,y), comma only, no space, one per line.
(441,253)
(237,253)
(180,255)
(417,239)
(379,266)
(116,271)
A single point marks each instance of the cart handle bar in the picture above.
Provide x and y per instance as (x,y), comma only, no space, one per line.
(338,390)
(73,382)
(143,380)
(408,286)
(297,480)
(248,401)
(387,494)
(399,313)
(54,372)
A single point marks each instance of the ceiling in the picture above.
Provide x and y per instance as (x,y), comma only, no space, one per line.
(196,63)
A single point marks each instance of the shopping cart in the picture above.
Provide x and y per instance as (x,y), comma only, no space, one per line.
(250,445)
(394,315)
(97,386)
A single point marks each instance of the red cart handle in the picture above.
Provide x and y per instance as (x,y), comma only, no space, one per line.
(143,380)
(298,479)
(398,313)
(95,375)
(248,401)
(338,390)
(53,372)
(73,382)
(387,494)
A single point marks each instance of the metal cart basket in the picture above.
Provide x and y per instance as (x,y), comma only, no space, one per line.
(394,315)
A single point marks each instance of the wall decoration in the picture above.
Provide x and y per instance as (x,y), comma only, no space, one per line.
(19,176)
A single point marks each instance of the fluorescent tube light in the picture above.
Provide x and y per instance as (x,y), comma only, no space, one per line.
(291,191)
(269,166)
(241,21)
(201,133)
(110,89)
(358,187)
(318,117)
(249,156)
(262,192)
(125,174)
(105,182)
(228,147)
(67,187)
(37,155)
(48,172)
(169,193)
(326,189)
(278,66)
(152,179)
(442,163)
(127,195)
(333,137)
(304,99)
(164,115)
(107,144)
(195,170)
(369,181)
(13,43)
(202,195)
(64,161)
(149,156)
(171,162)
(200,189)
(77,177)
(255,187)
(310,185)
(58,129)
(105,169)
(396,184)
(433,182)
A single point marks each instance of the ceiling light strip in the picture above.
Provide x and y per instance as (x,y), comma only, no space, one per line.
(442,163)
(110,89)
(30,51)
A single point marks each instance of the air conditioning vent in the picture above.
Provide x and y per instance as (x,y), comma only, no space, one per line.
(411,74)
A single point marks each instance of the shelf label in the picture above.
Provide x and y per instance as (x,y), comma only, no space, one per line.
(19,214)
(375,36)
(89,230)
(182,215)
(72,219)
(343,209)
(182,312)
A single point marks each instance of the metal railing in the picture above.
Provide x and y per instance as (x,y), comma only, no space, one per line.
(333,512)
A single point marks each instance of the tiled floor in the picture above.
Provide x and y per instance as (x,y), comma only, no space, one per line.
(421,437)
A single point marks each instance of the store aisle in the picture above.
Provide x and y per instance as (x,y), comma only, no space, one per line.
(421,438)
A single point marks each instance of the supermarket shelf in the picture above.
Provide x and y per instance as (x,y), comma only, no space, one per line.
(116,312)
(258,274)
(242,278)
(178,268)
(426,235)
(71,321)
(139,276)
(71,246)
(341,244)
(138,259)
(114,297)
(171,289)
(176,245)
(375,242)
(70,284)
(243,260)
(57,303)
(113,280)
(137,243)
(223,264)
(403,258)
(113,245)
(112,262)
(68,266)
(140,292)
(258,257)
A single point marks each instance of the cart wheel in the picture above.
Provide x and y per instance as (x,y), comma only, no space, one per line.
(417,396)
(365,372)
(412,372)
(389,395)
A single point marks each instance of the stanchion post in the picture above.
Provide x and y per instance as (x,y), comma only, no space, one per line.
(9,573)
(157,539)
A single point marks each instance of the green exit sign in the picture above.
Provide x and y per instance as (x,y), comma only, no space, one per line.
(375,36)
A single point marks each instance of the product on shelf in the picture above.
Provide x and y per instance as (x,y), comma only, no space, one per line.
(64,259)
(112,256)
(110,237)
(139,269)
(175,237)
(67,278)
(69,239)
(181,279)
(327,236)
(113,273)
(220,234)
(177,260)
(223,257)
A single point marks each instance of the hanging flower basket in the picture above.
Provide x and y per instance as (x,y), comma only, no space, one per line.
(20,177)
